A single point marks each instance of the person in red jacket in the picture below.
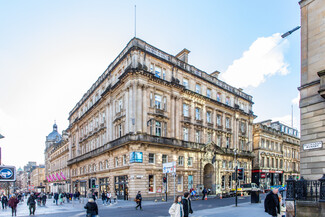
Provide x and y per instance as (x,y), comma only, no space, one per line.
(13,201)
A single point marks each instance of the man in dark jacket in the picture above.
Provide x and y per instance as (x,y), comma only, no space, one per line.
(271,203)
(138,199)
(204,192)
(56,197)
(92,208)
(187,207)
(32,204)
(4,201)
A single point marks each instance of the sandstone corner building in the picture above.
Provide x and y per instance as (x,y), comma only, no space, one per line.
(149,108)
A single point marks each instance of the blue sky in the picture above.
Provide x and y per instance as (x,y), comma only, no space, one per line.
(51,52)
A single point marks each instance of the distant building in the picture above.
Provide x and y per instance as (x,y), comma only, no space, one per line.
(37,178)
(56,156)
(276,150)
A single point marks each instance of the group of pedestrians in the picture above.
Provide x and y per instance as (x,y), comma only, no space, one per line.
(182,206)
(106,197)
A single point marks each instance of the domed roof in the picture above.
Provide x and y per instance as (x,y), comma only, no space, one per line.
(54,136)
(20,170)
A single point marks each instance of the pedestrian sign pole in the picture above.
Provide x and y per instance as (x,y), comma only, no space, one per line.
(170,168)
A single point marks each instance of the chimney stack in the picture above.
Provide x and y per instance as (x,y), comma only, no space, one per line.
(183,55)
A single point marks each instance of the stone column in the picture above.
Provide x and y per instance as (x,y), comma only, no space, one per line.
(177,125)
(110,121)
(77,143)
(130,108)
(139,108)
(172,116)
(134,108)
(127,109)
(145,109)
(107,122)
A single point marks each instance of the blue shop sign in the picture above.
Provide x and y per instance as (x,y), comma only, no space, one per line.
(136,157)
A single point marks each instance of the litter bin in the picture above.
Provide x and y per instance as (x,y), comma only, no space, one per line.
(255,196)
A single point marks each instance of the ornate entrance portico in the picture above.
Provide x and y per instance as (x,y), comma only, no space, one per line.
(209,176)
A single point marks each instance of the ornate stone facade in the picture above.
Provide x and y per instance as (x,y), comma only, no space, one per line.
(276,150)
(157,107)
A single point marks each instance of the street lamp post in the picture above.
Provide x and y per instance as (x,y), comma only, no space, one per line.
(236,176)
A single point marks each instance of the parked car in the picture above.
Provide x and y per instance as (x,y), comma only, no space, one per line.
(248,187)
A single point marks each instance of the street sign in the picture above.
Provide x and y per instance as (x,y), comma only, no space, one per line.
(169,167)
(7,173)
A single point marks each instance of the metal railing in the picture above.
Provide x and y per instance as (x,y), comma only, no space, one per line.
(306,190)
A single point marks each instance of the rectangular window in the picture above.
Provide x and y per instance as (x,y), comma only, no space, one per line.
(227,123)
(120,105)
(262,161)
(185,134)
(229,179)
(158,102)
(164,158)
(151,100)
(180,183)
(158,128)
(227,101)
(209,93)
(120,130)
(151,67)
(219,120)
(106,164)
(227,142)
(224,163)
(185,110)
(124,159)
(209,137)
(189,161)
(151,158)
(116,162)
(198,88)
(223,182)
(218,97)
(185,83)
(164,74)
(243,127)
(209,117)
(151,183)
(197,114)
(219,140)
(157,72)
(165,103)
(180,160)
(190,182)
(197,136)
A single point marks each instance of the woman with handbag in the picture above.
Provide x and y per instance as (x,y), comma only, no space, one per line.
(176,210)
(92,208)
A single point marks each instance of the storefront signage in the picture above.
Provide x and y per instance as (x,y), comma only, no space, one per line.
(136,157)
(262,175)
(313,145)
(267,171)
(169,167)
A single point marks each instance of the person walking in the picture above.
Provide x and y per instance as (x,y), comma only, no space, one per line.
(108,197)
(204,192)
(186,201)
(56,198)
(44,199)
(32,204)
(138,200)
(4,201)
(13,201)
(60,198)
(103,197)
(272,203)
(176,210)
(92,208)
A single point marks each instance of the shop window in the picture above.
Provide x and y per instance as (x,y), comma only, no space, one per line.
(180,183)
(223,182)
(229,182)
(151,183)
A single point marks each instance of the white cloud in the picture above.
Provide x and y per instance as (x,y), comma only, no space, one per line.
(296,100)
(263,59)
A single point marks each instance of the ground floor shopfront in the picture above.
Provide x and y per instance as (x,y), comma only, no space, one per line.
(59,187)
(266,178)
(139,167)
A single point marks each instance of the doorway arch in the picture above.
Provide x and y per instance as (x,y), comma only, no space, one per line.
(209,176)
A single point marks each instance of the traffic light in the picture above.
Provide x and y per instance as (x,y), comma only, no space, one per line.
(164,179)
(93,183)
(240,173)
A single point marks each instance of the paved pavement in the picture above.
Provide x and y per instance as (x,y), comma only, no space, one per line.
(209,208)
